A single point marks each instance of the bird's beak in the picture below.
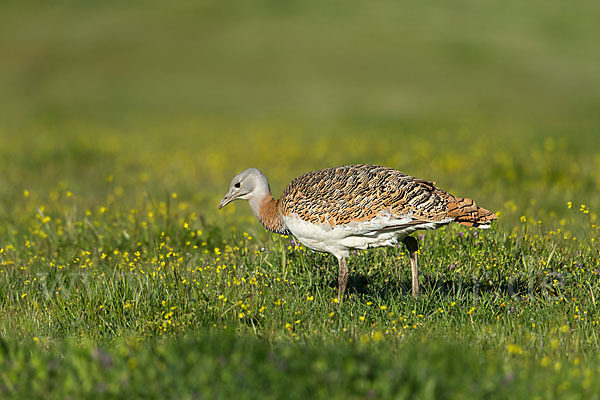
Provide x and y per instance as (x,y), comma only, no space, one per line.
(226,200)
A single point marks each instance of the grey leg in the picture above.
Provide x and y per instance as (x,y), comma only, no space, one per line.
(413,248)
(344,273)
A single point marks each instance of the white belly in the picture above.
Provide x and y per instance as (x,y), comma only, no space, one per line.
(340,239)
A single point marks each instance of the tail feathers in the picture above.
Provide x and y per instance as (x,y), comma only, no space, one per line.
(466,212)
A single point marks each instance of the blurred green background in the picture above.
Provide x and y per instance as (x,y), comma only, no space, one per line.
(498,101)
(123,122)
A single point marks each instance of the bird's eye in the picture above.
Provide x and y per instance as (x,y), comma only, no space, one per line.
(237,185)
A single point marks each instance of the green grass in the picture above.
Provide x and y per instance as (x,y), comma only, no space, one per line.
(226,366)
(121,127)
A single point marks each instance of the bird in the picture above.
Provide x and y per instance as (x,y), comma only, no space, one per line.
(355,207)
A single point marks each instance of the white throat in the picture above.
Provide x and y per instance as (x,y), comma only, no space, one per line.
(260,193)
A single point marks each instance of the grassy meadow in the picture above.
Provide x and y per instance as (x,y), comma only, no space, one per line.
(122,124)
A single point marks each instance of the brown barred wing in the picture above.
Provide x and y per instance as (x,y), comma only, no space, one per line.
(359,193)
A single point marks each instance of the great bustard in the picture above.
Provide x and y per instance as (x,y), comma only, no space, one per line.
(336,210)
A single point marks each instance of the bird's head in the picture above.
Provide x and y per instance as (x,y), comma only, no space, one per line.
(247,185)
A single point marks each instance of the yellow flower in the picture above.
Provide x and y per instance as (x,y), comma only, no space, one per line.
(377,336)
(545,361)
(514,349)
(557,366)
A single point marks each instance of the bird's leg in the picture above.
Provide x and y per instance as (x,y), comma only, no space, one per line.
(343,275)
(413,248)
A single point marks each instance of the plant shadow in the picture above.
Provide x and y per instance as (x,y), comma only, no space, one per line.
(519,287)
